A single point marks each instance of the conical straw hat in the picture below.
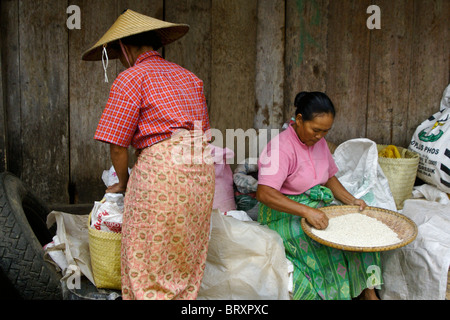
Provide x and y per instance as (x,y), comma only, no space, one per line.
(131,23)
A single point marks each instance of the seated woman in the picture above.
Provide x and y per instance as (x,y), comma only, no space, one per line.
(296,176)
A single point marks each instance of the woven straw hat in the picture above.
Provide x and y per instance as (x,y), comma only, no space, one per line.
(131,23)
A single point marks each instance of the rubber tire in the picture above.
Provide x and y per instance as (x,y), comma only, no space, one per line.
(23,233)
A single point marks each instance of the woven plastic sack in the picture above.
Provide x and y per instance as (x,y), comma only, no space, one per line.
(246,261)
(104,248)
(400,172)
(361,174)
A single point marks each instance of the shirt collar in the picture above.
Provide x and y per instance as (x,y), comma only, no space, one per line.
(295,136)
(146,55)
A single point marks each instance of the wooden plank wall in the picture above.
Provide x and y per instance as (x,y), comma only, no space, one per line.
(253,56)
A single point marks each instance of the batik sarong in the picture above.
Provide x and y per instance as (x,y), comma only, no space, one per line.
(321,272)
(166,222)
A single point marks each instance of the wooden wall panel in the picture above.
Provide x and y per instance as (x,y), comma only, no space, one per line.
(3,137)
(232,102)
(88,96)
(306,49)
(270,51)
(430,61)
(9,24)
(390,61)
(44,98)
(347,68)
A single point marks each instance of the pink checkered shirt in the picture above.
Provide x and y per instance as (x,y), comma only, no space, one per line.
(150,101)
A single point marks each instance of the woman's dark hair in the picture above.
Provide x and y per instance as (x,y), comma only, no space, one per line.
(148,38)
(310,104)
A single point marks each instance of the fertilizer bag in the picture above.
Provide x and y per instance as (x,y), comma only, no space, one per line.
(431,141)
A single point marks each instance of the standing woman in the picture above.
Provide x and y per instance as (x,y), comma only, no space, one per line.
(160,109)
(296,176)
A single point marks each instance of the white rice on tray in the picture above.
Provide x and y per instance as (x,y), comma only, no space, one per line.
(357,230)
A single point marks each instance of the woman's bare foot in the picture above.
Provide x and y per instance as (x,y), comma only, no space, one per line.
(368,294)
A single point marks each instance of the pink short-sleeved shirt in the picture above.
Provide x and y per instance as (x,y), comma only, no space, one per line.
(291,167)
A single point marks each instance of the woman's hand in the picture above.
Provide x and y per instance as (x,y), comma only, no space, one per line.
(318,219)
(361,203)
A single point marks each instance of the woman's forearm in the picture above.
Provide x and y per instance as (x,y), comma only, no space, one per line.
(339,192)
(119,158)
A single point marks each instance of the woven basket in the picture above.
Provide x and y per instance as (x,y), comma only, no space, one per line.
(401,173)
(404,227)
(104,250)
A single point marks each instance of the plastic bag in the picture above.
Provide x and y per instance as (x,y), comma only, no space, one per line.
(109,177)
(360,173)
(107,214)
(431,141)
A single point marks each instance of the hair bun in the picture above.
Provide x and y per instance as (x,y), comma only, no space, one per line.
(299,97)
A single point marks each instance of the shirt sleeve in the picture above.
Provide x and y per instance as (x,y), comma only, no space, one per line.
(273,166)
(120,117)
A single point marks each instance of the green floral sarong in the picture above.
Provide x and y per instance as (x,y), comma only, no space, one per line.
(321,272)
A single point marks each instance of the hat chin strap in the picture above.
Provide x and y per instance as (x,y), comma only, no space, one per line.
(105,61)
(124,53)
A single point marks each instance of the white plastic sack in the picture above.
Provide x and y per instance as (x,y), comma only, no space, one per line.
(245,261)
(430,193)
(431,141)
(418,271)
(360,173)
